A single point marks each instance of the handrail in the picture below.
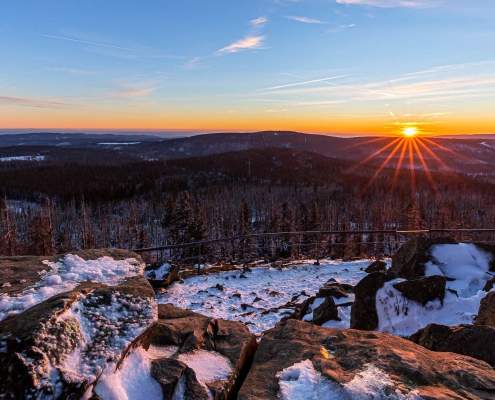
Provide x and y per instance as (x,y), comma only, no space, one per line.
(299,233)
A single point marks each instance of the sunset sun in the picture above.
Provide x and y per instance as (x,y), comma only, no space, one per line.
(410,131)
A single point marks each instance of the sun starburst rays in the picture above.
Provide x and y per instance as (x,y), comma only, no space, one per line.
(411,156)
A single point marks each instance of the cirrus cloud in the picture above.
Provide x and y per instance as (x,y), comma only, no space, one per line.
(392,3)
(247,43)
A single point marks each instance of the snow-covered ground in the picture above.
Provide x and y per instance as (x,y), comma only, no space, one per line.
(257,297)
(302,381)
(22,158)
(64,275)
(467,268)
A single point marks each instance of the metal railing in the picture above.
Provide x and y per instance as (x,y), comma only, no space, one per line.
(292,245)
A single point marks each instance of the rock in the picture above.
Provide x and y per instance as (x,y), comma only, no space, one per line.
(409,261)
(423,290)
(325,312)
(489,248)
(337,290)
(23,272)
(363,312)
(376,266)
(190,332)
(470,340)
(486,313)
(489,284)
(171,374)
(163,275)
(354,364)
(38,344)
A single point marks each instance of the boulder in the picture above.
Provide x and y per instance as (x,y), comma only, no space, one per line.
(376,266)
(486,313)
(21,272)
(335,289)
(489,284)
(317,310)
(46,351)
(314,362)
(470,340)
(182,341)
(162,276)
(409,261)
(423,290)
(363,312)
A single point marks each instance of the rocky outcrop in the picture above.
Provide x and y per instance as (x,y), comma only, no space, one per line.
(199,357)
(363,312)
(423,290)
(59,347)
(470,340)
(335,289)
(409,261)
(376,266)
(163,275)
(486,313)
(355,364)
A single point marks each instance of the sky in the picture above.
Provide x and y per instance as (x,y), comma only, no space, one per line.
(325,66)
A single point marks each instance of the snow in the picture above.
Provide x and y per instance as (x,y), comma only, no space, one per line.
(401,316)
(118,143)
(158,274)
(209,366)
(464,262)
(65,275)
(466,266)
(302,381)
(107,327)
(345,318)
(259,297)
(132,381)
(22,158)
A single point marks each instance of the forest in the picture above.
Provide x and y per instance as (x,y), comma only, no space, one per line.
(55,207)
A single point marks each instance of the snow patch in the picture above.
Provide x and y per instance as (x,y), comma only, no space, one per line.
(302,381)
(132,381)
(401,316)
(158,274)
(209,366)
(65,275)
(22,158)
(464,262)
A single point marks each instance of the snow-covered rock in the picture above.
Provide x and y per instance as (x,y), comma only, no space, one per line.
(184,355)
(59,347)
(297,360)
(39,278)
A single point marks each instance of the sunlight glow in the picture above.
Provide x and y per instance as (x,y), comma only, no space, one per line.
(410,131)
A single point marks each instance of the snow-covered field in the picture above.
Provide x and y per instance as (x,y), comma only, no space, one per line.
(64,275)
(258,297)
(467,268)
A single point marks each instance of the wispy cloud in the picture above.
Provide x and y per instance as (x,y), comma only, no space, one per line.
(247,43)
(135,90)
(258,22)
(393,3)
(303,83)
(72,71)
(32,102)
(192,63)
(305,20)
(87,42)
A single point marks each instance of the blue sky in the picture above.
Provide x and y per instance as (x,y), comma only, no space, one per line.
(314,65)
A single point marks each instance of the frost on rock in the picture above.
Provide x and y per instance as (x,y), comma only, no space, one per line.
(466,268)
(108,326)
(302,381)
(88,330)
(260,297)
(65,275)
